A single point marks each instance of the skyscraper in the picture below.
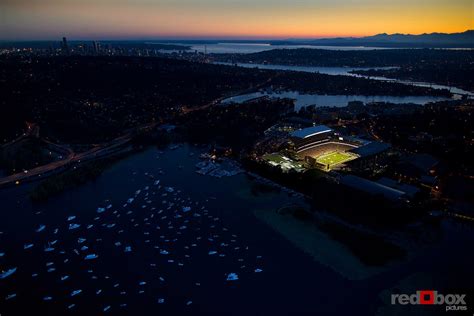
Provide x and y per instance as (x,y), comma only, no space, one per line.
(64,46)
(95,47)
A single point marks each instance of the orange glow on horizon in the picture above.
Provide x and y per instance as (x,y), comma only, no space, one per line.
(234,19)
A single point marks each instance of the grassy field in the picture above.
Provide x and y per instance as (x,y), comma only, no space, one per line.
(334,158)
(273,157)
(285,163)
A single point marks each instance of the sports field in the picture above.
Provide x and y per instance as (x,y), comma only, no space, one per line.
(276,158)
(285,163)
(335,158)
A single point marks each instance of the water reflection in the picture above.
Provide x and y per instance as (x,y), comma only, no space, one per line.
(346,71)
(303,100)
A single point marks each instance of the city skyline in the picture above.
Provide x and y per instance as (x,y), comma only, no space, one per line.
(261,19)
(236,157)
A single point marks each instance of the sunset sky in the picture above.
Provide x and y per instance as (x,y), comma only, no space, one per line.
(127,19)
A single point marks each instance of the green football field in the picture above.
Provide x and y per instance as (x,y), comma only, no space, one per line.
(274,157)
(335,158)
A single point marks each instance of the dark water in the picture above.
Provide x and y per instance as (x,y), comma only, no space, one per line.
(302,100)
(221,219)
(345,71)
(246,48)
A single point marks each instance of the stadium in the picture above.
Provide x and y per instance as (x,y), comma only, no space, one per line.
(321,147)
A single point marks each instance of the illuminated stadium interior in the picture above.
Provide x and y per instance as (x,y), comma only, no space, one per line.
(323,148)
(322,144)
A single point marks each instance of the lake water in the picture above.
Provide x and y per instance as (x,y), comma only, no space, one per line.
(346,72)
(173,249)
(303,100)
(342,71)
(246,48)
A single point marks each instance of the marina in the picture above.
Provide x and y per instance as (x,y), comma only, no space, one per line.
(183,241)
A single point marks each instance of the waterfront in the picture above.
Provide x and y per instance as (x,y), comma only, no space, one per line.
(303,100)
(347,71)
(283,266)
(248,48)
(241,158)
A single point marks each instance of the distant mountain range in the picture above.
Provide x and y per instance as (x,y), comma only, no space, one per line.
(441,40)
(431,40)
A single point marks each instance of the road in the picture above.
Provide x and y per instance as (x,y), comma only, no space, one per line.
(187,110)
(101,150)
(72,159)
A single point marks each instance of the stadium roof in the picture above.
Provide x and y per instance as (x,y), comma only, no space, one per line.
(370,149)
(311,131)
(423,162)
(371,187)
(356,140)
(410,190)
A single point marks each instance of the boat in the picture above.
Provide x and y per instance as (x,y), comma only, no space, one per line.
(6,274)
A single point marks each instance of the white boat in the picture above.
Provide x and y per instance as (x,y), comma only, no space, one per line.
(6,274)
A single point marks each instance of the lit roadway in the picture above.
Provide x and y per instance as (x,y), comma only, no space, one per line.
(187,110)
(97,152)
(100,151)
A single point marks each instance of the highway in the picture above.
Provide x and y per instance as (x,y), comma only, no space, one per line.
(99,151)
(71,160)
(217,101)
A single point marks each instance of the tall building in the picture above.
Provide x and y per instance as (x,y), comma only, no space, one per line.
(96,47)
(65,46)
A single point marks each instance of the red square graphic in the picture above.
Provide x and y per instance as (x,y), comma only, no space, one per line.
(427,297)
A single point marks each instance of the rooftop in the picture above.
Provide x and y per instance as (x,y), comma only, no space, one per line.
(370,149)
(423,162)
(311,131)
(371,187)
(410,190)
